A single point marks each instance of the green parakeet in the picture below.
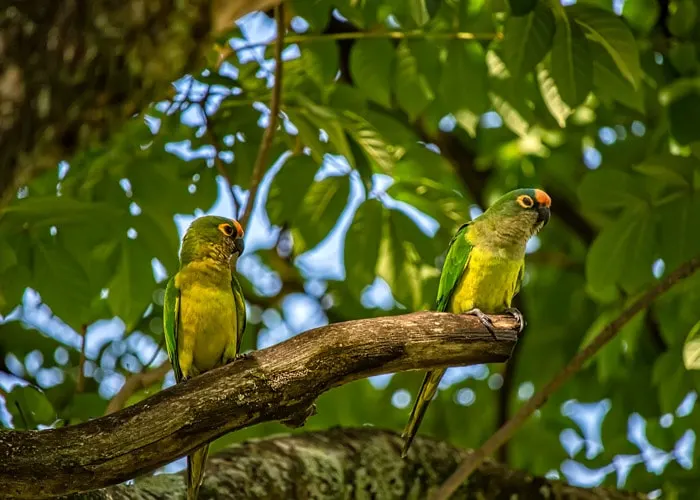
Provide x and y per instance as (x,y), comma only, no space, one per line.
(483,271)
(204,311)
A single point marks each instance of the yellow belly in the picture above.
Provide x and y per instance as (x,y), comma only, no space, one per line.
(207,336)
(488,283)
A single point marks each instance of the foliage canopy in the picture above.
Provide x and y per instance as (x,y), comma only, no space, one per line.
(400,122)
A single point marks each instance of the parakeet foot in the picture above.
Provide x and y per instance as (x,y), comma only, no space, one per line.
(518,317)
(485,320)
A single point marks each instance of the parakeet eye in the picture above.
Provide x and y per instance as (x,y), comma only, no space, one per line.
(226,229)
(525,201)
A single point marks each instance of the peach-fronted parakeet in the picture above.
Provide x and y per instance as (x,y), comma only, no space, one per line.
(483,271)
(204,312)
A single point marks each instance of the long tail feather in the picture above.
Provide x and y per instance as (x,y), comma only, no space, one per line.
(195,471)
(425,395)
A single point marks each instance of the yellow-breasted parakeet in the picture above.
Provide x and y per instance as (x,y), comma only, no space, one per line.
(204,312)
(483,271)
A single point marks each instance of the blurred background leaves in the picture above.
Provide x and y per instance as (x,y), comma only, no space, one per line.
(388,142)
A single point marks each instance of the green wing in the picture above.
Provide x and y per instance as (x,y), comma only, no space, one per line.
(171,324)
(240,310)
(455,263)
(519,281)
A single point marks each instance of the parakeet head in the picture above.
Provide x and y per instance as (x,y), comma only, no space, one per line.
(212,237)
(520,213)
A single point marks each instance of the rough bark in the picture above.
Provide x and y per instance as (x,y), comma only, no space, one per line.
(278,383)
(344,464)
(73,71)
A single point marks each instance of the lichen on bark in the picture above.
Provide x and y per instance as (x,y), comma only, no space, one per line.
(357,464)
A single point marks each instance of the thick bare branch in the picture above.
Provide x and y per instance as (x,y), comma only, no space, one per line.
(278,383)
(329,464)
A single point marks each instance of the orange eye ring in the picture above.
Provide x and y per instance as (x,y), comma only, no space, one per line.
(227,229)
(525,201)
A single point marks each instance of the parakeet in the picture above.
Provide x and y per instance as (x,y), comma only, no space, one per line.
(482,273)
(204,312)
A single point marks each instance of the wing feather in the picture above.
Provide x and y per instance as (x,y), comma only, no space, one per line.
(239,300)
(171,324)
(455,264)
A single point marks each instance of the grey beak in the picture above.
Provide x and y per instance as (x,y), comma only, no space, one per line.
(238,243)
(543,215)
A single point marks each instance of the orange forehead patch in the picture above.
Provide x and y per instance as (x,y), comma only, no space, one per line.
(239,229)
(542,198)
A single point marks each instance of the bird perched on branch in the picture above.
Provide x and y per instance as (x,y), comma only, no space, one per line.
(204,311)
(482,273)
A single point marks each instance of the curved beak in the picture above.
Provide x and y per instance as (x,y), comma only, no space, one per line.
(239,245)
(543,215)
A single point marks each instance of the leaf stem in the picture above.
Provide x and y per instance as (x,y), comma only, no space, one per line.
(357,35)
(469,465)
(269,134)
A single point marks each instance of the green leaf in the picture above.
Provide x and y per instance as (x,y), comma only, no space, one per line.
(572,67)
(419,11)
(691,349)
(29,407)
(609,361)
(8,257)
(401,263)
(413,92)
(377,149)
(131,288)
(160,237)
(610,85)
(309,135)
(682,17)
(320,61)
(315,12)
(288,188)
(328,120)
(320,211)
(642,15)
(362,246)
(528,39)
(680,239)
(682,101)
(610,190)
(623,252)
(610,31)
(62,282)
(371,65)
(55,211)
(550,94)
(464,77)
(523,7)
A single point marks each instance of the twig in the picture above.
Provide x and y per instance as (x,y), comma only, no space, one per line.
(394,35)
(509,428)
(135,383)
(268,136)
(80,386)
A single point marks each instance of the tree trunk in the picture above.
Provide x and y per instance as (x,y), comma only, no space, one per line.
(73,71)
(348,464)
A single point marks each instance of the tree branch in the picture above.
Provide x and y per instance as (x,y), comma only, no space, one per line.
(278,383)
(353,460)
(269,135)
(135,383)
(540,398)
